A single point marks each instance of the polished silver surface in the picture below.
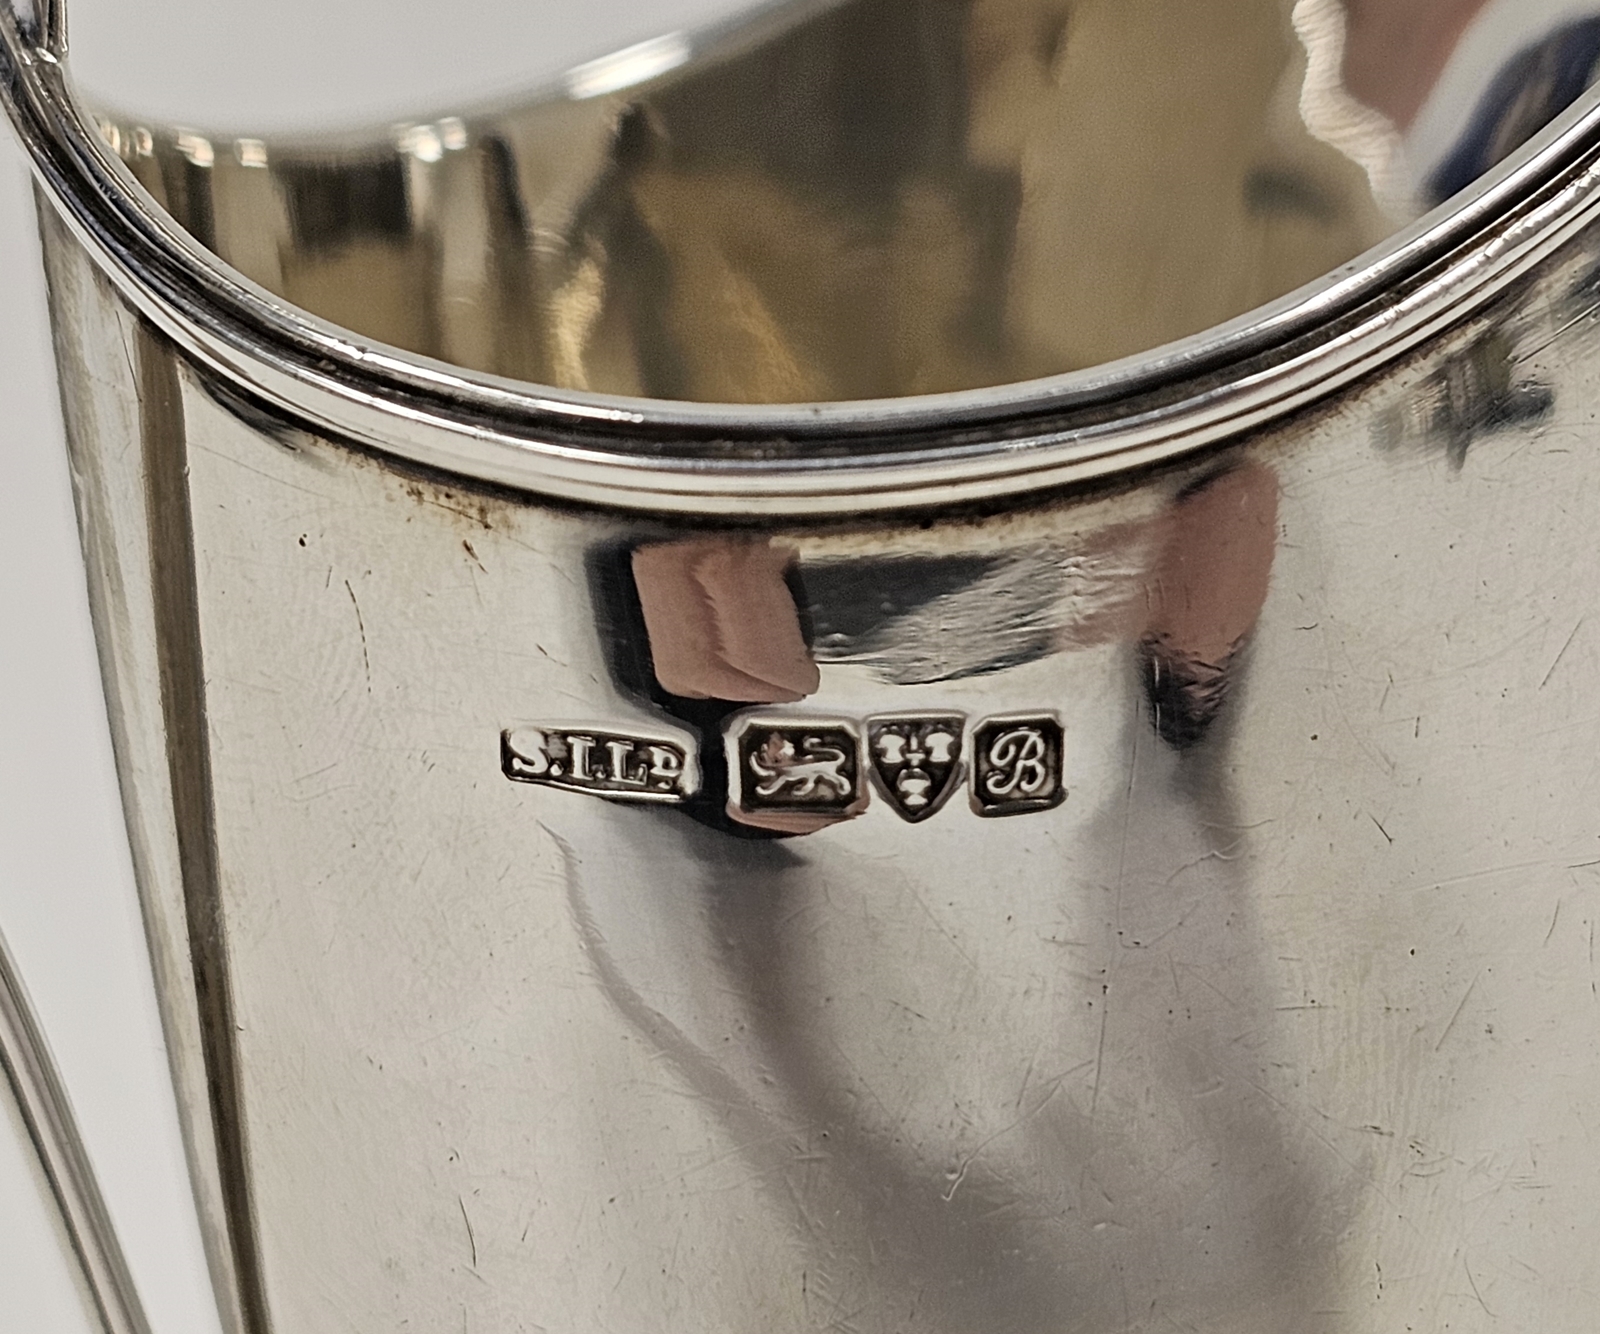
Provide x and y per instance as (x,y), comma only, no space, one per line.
(34,1087)
(1293,988)
(1162,902)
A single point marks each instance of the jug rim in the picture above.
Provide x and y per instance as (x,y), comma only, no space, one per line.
(848,456)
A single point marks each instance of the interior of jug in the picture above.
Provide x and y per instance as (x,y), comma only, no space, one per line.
(871,199)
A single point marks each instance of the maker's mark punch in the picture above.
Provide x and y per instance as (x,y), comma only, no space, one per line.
(606,763)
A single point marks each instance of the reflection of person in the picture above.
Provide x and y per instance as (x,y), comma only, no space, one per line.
(1466,82)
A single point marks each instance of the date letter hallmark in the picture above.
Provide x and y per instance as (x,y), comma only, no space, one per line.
(604,763)
(916,760)
(795,766)
(1017,766)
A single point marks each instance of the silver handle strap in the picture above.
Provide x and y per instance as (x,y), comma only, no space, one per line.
(43,23)
(36,1085)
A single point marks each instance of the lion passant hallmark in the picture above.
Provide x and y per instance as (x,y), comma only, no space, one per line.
(794,766)
(800,772)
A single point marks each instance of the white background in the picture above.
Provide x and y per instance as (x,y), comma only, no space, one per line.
(67,903)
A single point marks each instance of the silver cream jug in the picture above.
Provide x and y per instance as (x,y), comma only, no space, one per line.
(892,668)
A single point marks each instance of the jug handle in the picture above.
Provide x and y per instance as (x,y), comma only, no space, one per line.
(27,1066)
(43,24)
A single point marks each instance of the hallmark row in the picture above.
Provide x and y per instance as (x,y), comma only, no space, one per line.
(794,772)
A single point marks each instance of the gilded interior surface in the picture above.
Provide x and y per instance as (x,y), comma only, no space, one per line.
(856,200)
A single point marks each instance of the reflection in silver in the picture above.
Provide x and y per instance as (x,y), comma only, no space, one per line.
(854,201)
(250,152)
(859,201)
(1364,135)
(421,142)
(632,65)
(195,148)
